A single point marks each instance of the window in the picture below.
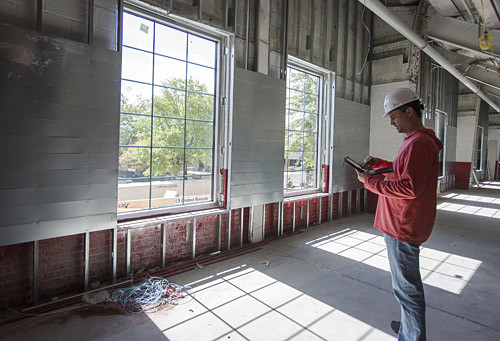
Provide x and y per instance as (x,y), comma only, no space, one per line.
(169,115)
(305,103)
(479,154)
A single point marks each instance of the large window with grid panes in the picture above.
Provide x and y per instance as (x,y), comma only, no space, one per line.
(306,105)
(170,90)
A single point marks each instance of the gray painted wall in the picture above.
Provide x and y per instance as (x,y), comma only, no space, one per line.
(351,138)
(60,110)
(258,139)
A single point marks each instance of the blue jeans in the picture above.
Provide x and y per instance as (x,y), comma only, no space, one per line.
(408,287)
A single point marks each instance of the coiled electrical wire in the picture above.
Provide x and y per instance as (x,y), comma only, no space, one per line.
(150,296)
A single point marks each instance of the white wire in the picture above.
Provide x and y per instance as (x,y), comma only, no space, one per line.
(369,37)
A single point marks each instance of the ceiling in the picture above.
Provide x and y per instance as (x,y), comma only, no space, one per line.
(453,27)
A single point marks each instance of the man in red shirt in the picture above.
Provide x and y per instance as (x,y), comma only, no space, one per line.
(406,206)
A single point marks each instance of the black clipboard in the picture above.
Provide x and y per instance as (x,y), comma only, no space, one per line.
(360,169)
(354,164)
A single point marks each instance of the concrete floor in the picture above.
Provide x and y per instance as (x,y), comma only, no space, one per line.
(330,282)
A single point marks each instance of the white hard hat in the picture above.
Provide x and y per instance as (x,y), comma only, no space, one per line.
(397,98)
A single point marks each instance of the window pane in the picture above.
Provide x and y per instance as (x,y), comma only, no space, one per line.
(295,161)
(200,107)
(137,65)
(310,121)
(295,120)
(201,79)
(311,103)
(296,141)
(170,42)
(137,32)
(294,180)
(168,132)
(135,130)
(170,72)
(311,84)
(169,102)
(296,79)
(167,185)
(133,179)
(309,161)
(135,98)
(296,100)
(201,51)
(309,141)
(302,130)
(198,182)
(199,134)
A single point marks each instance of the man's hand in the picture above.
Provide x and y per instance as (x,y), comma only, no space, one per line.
(363,176)
(369,162)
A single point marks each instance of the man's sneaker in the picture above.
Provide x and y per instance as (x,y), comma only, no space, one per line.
(395,325)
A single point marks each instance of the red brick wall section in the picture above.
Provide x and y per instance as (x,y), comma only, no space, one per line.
(235,227)
(177,246)
(61,268)
(16,274)
(324,209)
(362,200)
(145,248)
(371,202)
(354,193)
(121,259)
(462,175)
(101,263)
(335,206)
(271,220)
(300,223)
(207,231)
(288,218)
(313,211)
(345,198)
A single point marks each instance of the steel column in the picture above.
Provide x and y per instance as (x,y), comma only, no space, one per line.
(307,213)
(229,231)
(163,244)
(114,253)
(87,260)
(340,204)
(241,226)
(293,217)
(129,244)
(193,236)
(36,267)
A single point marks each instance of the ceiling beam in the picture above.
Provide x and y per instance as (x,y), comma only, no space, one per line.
(460,34)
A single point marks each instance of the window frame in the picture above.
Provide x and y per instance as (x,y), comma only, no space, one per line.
(222,106)
(479,149)
(324,142)
(437,115)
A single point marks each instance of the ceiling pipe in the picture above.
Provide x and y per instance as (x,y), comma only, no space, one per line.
(385,14)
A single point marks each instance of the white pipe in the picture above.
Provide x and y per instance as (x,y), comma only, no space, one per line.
(385,14)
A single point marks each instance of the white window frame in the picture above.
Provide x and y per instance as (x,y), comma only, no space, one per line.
(222,111)
(325,117)
(481,150)
(437,116)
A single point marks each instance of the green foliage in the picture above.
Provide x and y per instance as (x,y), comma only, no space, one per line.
(302,119)
(187,137)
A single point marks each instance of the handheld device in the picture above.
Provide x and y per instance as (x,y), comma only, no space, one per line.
(359,168)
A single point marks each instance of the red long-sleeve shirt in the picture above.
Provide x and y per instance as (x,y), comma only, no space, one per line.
(406,207)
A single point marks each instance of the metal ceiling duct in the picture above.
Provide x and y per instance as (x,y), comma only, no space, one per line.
(385,14)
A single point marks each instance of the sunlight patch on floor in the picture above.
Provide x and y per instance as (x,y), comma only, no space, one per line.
(444,270)
(244,303)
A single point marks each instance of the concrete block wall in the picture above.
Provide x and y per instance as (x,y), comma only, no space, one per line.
(385,140)
(466,129)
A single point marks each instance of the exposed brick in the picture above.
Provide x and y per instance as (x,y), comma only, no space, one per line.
(16,274)
(61,265)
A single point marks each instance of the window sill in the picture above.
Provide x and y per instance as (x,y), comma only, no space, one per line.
(143,222)
(305,197)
